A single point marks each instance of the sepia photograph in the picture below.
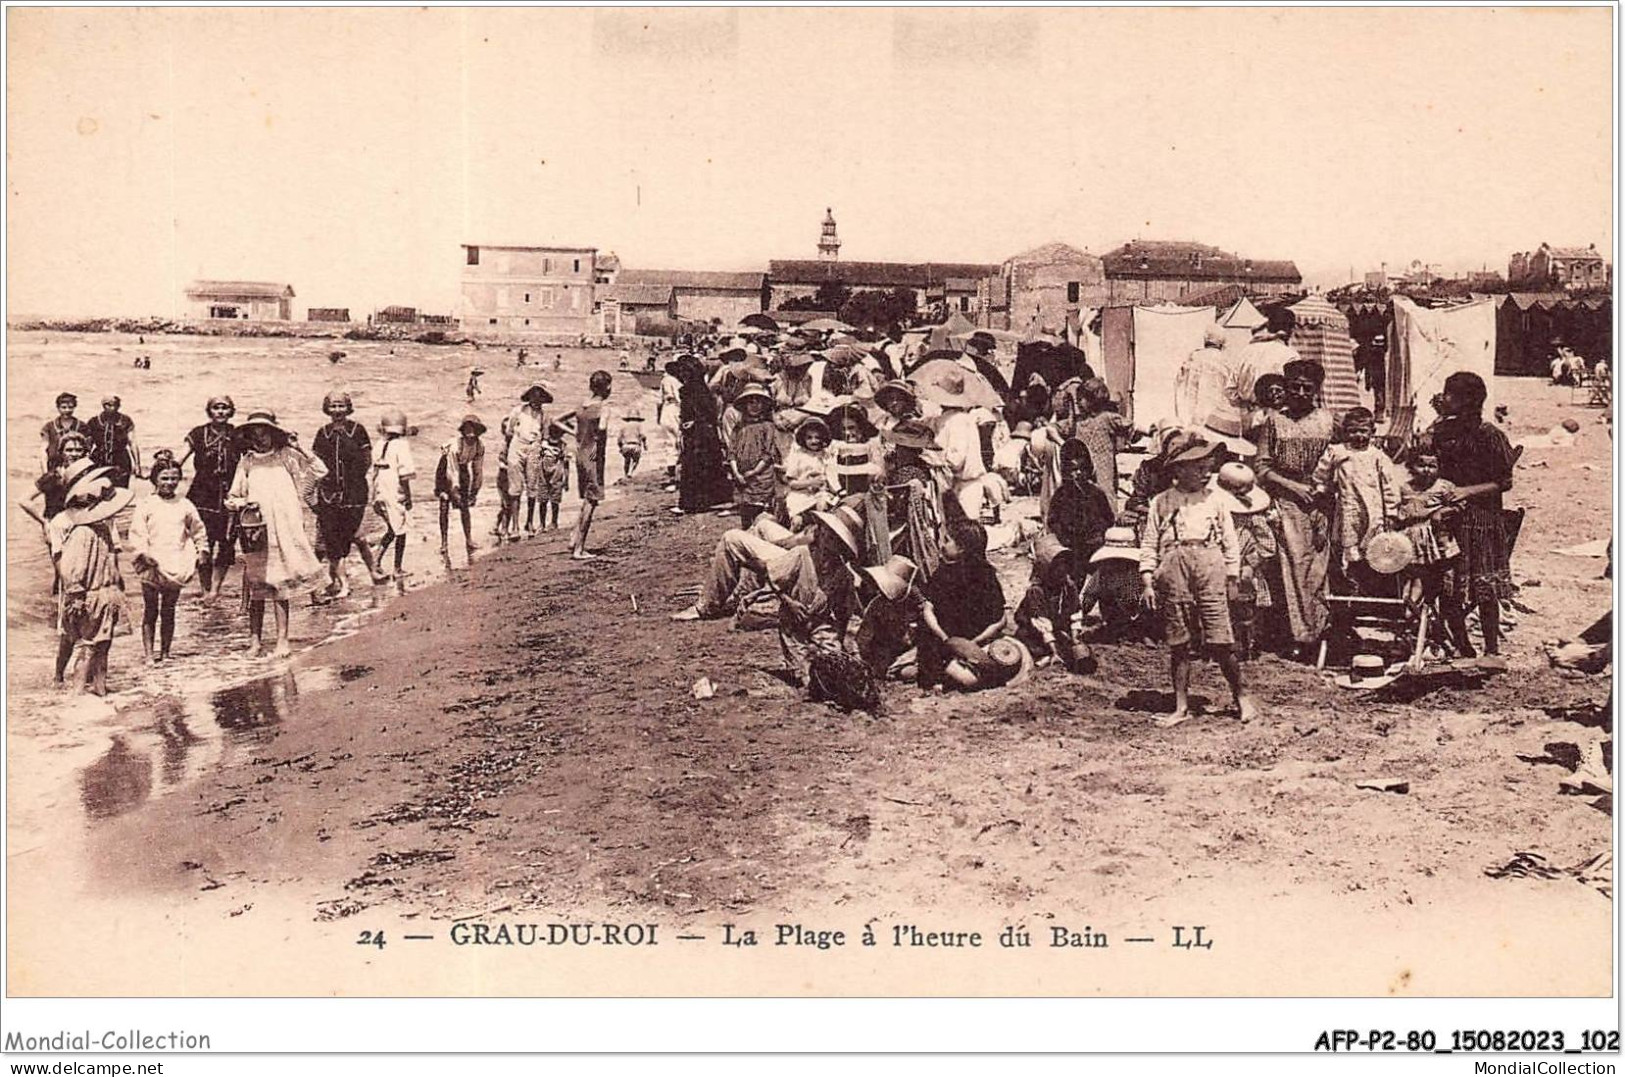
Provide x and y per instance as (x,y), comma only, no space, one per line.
(839,502)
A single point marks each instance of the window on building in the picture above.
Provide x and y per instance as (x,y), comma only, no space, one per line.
(527,321)
(473,256)
(547,265)
(578,266)
(545,297)
(493,321)
(527,297)
(1072,291)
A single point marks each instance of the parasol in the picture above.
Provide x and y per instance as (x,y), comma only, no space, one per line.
(827,325)
(760,321)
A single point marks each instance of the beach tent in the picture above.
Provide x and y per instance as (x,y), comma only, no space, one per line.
(1320,334)
(957,323)
(1239,322)
(1143,349)
(1428,346)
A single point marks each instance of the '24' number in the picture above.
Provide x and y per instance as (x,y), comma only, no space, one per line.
(371,938)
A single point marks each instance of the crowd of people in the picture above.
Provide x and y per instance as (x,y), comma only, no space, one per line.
(290,515)
(868,473)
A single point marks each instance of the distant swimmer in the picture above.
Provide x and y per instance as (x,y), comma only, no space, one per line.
(473,389)
(334,356)
(558,362)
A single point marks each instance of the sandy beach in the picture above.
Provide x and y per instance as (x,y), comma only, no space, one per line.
(519,743)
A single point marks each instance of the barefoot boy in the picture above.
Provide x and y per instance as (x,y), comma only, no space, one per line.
(1190,561)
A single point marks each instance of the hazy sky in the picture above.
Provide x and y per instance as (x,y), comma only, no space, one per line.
(350,151)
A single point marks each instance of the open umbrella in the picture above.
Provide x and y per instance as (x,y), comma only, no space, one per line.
(827,325)
(760,321)
(945,381)
(753,330)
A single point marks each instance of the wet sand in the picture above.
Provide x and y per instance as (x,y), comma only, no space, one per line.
(519,743)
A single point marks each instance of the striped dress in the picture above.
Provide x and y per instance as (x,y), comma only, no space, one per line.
(1290,448)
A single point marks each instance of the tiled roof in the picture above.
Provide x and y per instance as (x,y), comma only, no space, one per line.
(1163,260)
(874,274)
(1576,252)
(1051,253)
(635,295)
(257,289)
(695,278)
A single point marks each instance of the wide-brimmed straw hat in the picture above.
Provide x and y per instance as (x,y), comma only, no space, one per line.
(1225,424)
(539,391)
(752,391)
(1388,552)
(895,577)
(981,344)
(260,417)
(811,422)
(896,387)
(797,358)
(1368,672)
(1013,657)
(94,482)
(1236,484)
(472,420)
(1187,445)
(847,525)
(1120,546)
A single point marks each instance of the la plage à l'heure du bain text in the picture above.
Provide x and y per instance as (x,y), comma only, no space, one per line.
(1196,938)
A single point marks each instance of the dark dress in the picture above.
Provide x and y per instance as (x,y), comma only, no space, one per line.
(110,444)
(53,432)
(341,498)
(967,600)
(702,476)
(214,461)
(1472,452)
(1079,517)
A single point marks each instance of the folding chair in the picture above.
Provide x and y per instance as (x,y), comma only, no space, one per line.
(1393,614)
(1602,391)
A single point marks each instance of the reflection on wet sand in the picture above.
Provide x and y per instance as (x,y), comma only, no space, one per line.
(117,782)
(249,713)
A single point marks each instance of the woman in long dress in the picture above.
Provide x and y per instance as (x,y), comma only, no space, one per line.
(1477,457)
(269,491)
(702,477)
(1290,444)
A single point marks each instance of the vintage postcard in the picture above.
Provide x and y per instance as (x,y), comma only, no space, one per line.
(810,502)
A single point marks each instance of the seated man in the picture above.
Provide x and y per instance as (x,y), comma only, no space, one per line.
(813,581)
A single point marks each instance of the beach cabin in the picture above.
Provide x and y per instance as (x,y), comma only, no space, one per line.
(240,300)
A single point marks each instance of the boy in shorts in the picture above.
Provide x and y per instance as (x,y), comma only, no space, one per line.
(1190,562)
(592,437)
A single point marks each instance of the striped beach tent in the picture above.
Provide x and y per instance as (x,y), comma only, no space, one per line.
(1320,334)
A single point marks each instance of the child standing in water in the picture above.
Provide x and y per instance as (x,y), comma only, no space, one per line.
(392,473)
(458,477)
(168,538)
(90,592)
(633,442)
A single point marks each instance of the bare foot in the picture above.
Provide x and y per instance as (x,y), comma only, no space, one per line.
(1246,709)
(582,555)
(1179,717)
(282,650)
(256,649)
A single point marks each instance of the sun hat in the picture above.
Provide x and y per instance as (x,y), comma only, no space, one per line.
(1237,484)
(393,422)
(1213,336)
(1188,445)
(1225,424)
(980,344)
(538,391)
(895,577)
(1120,546)
(75,471)
(752,391)
(910,434)
(1368,672)
(795,358)
(261,417)
(811,422)
(1046,548)
(94,482)
(336,397)
(1389,552)
(846,524)
(474,420)
(734,355)
(1023,430)
(895,387)
(1012,658)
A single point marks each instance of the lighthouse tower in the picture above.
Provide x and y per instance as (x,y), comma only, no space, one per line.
(829,247)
